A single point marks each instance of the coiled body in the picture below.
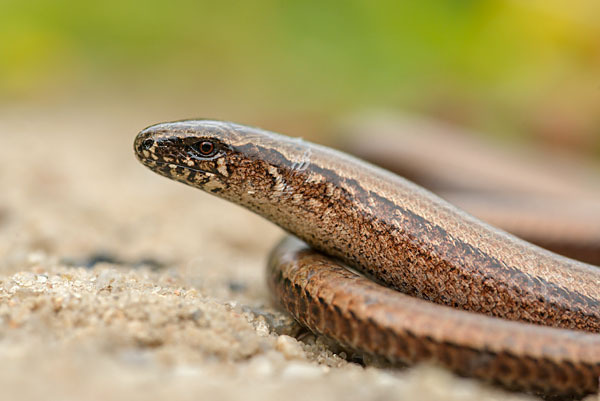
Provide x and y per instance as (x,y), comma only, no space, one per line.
(403,237)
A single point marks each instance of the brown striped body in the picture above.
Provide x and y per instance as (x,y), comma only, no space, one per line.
(549,198)
(401,235)
(338,303)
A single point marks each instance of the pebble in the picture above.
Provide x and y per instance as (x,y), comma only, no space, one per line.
(105,278)
(289,347)
(261,328)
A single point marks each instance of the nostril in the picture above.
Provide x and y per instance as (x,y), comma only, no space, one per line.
(147,144)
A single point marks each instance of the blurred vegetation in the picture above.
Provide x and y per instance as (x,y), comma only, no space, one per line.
(521,68)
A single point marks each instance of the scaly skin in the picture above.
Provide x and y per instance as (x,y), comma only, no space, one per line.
(407,238)
(552,203)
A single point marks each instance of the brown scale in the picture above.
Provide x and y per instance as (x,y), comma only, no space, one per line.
(512,354)
(407,238)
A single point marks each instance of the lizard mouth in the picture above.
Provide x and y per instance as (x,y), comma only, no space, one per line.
(166,168)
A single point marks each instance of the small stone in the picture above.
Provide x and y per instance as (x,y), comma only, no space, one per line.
(289,347)
(262,329)
(24,279)
(105,279)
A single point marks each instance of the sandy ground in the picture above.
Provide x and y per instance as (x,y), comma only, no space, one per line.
(118,284)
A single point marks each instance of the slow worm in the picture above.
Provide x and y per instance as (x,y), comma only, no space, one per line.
(468,296)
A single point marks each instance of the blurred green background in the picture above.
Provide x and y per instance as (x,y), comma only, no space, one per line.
(522,70)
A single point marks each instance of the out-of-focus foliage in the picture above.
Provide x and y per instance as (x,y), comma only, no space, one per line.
(512,66)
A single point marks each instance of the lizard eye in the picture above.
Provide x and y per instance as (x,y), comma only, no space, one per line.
(206,148)
(147,144)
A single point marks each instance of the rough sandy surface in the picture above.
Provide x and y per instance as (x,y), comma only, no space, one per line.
(118,284)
